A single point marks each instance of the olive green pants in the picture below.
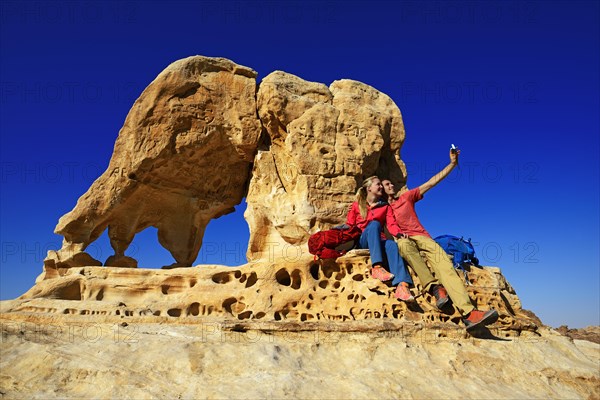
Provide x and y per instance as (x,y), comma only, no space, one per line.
(411,249)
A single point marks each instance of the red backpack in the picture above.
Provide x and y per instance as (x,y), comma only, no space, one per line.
(324,244)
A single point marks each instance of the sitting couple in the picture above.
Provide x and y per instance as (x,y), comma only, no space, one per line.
(371,212)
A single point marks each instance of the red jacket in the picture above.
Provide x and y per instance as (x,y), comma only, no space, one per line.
(381,212)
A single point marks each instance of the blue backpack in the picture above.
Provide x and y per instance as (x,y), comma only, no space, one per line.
(461,250)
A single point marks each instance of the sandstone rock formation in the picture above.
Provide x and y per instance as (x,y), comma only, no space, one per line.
(184,154)
(322,143)
(299,329)
(591,333)
(181,159)
(78,359)
(292,291)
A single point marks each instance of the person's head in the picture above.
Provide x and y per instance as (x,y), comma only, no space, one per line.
(390,189)
(371,187)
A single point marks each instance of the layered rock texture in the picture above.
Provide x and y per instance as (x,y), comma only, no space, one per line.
(79,359)
(298,329)
(322,143)
(294,291)
(182,158)
(189,151)
(199,139)
(591,333)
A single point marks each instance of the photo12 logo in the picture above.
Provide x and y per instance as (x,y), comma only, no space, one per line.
(475,172)
(68,12)
(527,252)
(456,92)
(87,92)
(68,172)
(468,13)
(70,332)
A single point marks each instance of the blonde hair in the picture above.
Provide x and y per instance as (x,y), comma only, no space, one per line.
(361,195)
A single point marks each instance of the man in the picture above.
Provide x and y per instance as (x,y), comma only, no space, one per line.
(416,239)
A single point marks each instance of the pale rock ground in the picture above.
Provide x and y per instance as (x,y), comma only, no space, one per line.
(82,359)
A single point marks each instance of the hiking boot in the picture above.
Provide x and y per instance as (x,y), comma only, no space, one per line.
(441,296)
(381,274)
(403,293)
(480,318)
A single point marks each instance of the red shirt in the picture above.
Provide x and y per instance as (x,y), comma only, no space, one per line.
(406,217)
(381,212)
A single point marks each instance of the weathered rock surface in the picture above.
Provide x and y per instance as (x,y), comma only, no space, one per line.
(296,291)
(184,154)
(300,329)
(322,143)
(75,359)
(206,361)
(182,158)
(591,333)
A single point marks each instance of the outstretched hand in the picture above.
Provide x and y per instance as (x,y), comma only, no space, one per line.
(454,156)
(437,178)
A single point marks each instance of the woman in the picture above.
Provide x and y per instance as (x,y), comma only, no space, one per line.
(371,214)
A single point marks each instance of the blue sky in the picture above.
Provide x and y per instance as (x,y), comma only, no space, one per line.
(514,84)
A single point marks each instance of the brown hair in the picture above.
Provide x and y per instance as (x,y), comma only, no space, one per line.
(361,195)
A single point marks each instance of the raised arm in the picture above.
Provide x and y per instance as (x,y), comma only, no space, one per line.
(437,178)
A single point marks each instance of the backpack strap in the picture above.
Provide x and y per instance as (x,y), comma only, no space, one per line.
(465,273)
